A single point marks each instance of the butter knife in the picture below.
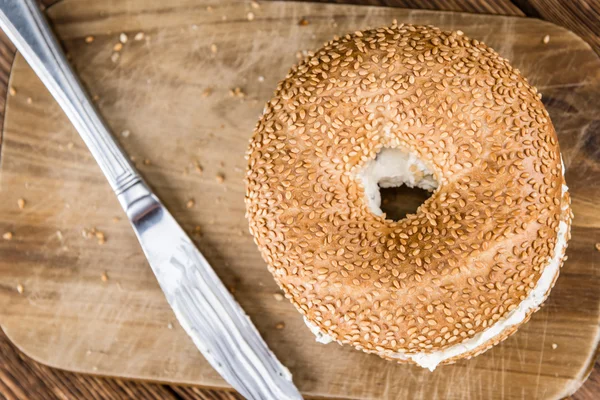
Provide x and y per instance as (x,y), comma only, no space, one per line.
(203,306)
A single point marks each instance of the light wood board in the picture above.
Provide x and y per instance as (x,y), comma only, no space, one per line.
(70,318)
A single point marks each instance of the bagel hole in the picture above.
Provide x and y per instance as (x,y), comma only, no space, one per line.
(396,183)
(398,202)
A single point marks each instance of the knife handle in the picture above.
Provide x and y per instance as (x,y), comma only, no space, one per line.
(26,27)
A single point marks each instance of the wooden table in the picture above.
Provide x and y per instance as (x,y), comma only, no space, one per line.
(23,378)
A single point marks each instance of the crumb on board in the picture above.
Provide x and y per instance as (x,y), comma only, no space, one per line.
(114,57)
(546,39)
(237,92)
(213,48)
(89,39)
(94,233)
(190,203)
(138,36)
(7,236)
(123,38)
(12,91)
(255,5)
(118,46)
(220,178)
(21,203)
(197,230)
(104,277)
(280,325)
(170,325)
(250,16)
(20,288)
(147,161)
(554,346)
(261,78)
(303,22)
(207,92)
(29,100)
(278,296)
(198,167)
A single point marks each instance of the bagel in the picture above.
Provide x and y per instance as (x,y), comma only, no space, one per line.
(410,105)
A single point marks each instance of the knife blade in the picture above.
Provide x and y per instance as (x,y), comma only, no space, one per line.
(206,310)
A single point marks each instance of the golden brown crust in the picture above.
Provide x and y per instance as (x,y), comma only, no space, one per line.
(470,254)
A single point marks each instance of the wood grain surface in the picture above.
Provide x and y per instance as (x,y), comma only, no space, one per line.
(88,59)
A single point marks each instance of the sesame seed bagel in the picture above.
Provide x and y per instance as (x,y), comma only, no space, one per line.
(475,260)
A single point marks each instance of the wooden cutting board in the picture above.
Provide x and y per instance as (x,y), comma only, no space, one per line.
(171,92)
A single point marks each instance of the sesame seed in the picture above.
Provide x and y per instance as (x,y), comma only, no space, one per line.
(280,325)
(12,91)
(126,133)
(118,46)
(220,178)
(138,36)
(123,38)
(104,277)
(89,39)
(250,16)
(190,203)
(213,48)
(546,39)
(21,203)
(7,236)
(20,288)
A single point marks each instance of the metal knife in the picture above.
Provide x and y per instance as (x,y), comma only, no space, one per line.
(205,309)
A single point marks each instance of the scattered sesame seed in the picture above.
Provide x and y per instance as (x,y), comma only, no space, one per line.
(198,167)
(89,39)
(250,16)
(20,288)
(116,219)
(7,236)
(546,39)
(123,38)
(303,22)
(261,78)
(220,178)
(147,161)
(114,57)
(138,36)
(104,277)
(213,48)
(554,346)
(29,100)
(126,133)
(598,246)
(118,46)
(190,203)
(255,5)
(12,91)
(278,296)
(170,325)
(21,203)
(237,92)
(280,325)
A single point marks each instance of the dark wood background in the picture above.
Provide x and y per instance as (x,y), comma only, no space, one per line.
(22,378)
